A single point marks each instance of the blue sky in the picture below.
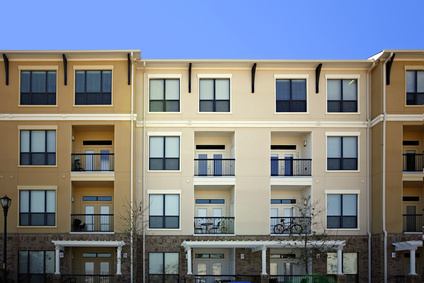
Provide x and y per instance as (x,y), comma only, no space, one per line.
(216,29)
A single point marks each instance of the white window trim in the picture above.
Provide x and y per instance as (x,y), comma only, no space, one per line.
(39,68)
(166,192)
(94,68)
(412,68)
(35,128)
(343,134)
(36,188)
(291,77)
(356,77)
(162,134)
(344,192)
(164,77)
(214,76)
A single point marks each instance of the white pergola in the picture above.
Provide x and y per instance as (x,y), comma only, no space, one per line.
(60,245)
(410,246)
(263,246)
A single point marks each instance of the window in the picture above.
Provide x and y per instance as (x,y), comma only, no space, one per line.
(342,211)
(342,153)
(164,95)
(38,87)
(349,268)
(93,87)
(164,267)
(34,266)
(164,153)
(38,147)
(414,87)
(291,95)
(164,211)
(342,95)
(214,95)
(37,208)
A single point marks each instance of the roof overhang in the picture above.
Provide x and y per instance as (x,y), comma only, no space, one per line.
(77,55)
(96,244)
(407,246)
(401,54)
(259,245)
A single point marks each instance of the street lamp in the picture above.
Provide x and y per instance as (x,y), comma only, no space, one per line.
(5,203)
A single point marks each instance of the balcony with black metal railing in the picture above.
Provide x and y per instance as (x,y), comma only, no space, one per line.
(92,223)
(213,225)
(413,222)
(291,167)
(413,162)
(290,225)
(214,167)
(92,162)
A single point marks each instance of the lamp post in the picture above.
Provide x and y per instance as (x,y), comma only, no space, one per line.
(5,203)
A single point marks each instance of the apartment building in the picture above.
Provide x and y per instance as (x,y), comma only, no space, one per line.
(397,168)
(66,119)
(228,149)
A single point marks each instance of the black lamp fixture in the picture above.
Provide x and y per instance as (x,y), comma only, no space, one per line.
(5,203)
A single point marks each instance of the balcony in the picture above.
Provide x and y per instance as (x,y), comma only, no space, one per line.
(92,223)
(214,167)
(412,162)
(291,167)
(213,225)
(92,162)
(413,223)
(290,225)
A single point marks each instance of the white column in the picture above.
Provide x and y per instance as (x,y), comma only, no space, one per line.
(118,261)
(339,262)
(263,261)
(57,254)
(189,270)
(412,263)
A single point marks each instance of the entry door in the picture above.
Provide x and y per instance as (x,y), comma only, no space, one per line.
(104,268)
(208,268)
(89,160)
(288,164)
(274,165)
(203,165)
(89,217)
(104,220)
(411,160)
(217,165)
(89,271)
(104,160)
(411,219)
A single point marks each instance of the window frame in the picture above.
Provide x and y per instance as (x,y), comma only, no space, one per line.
(342,193)
(164,135)
(342,77)
(86,68)
(416,93)
(292,77)
(341,135)
(163,264)
(37,128)
(28,273)
(344,255)
(44,189)
(215,77)
(164,77)
(163,215)
(39,69)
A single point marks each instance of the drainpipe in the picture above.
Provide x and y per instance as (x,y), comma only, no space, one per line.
(144,173)
(384,166)
(132,168)
(368,184)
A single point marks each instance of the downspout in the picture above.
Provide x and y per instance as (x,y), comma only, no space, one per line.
(384,166)
(144,172)
(368,184)
(132,168)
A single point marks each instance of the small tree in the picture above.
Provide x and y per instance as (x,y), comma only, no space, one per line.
(307,233)
(133,223)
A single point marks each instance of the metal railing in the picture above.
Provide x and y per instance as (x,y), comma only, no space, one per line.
(290,225)
(291,167)
(93,162)
(214,167)
(92,223)
(226,278)
(84,278)
(302,278)
(213,225)
(412,162)
(412,223)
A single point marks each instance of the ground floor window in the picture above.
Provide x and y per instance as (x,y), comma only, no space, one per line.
(163,267)
(350,265)
(36,266)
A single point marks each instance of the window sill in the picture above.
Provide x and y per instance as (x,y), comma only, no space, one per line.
(343,113)
(37,166)
(38,106)
(226,113)
(164,171)
(290,113)
(36,227)
(343,229)
(93,105)
(165,112)
(342,171)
